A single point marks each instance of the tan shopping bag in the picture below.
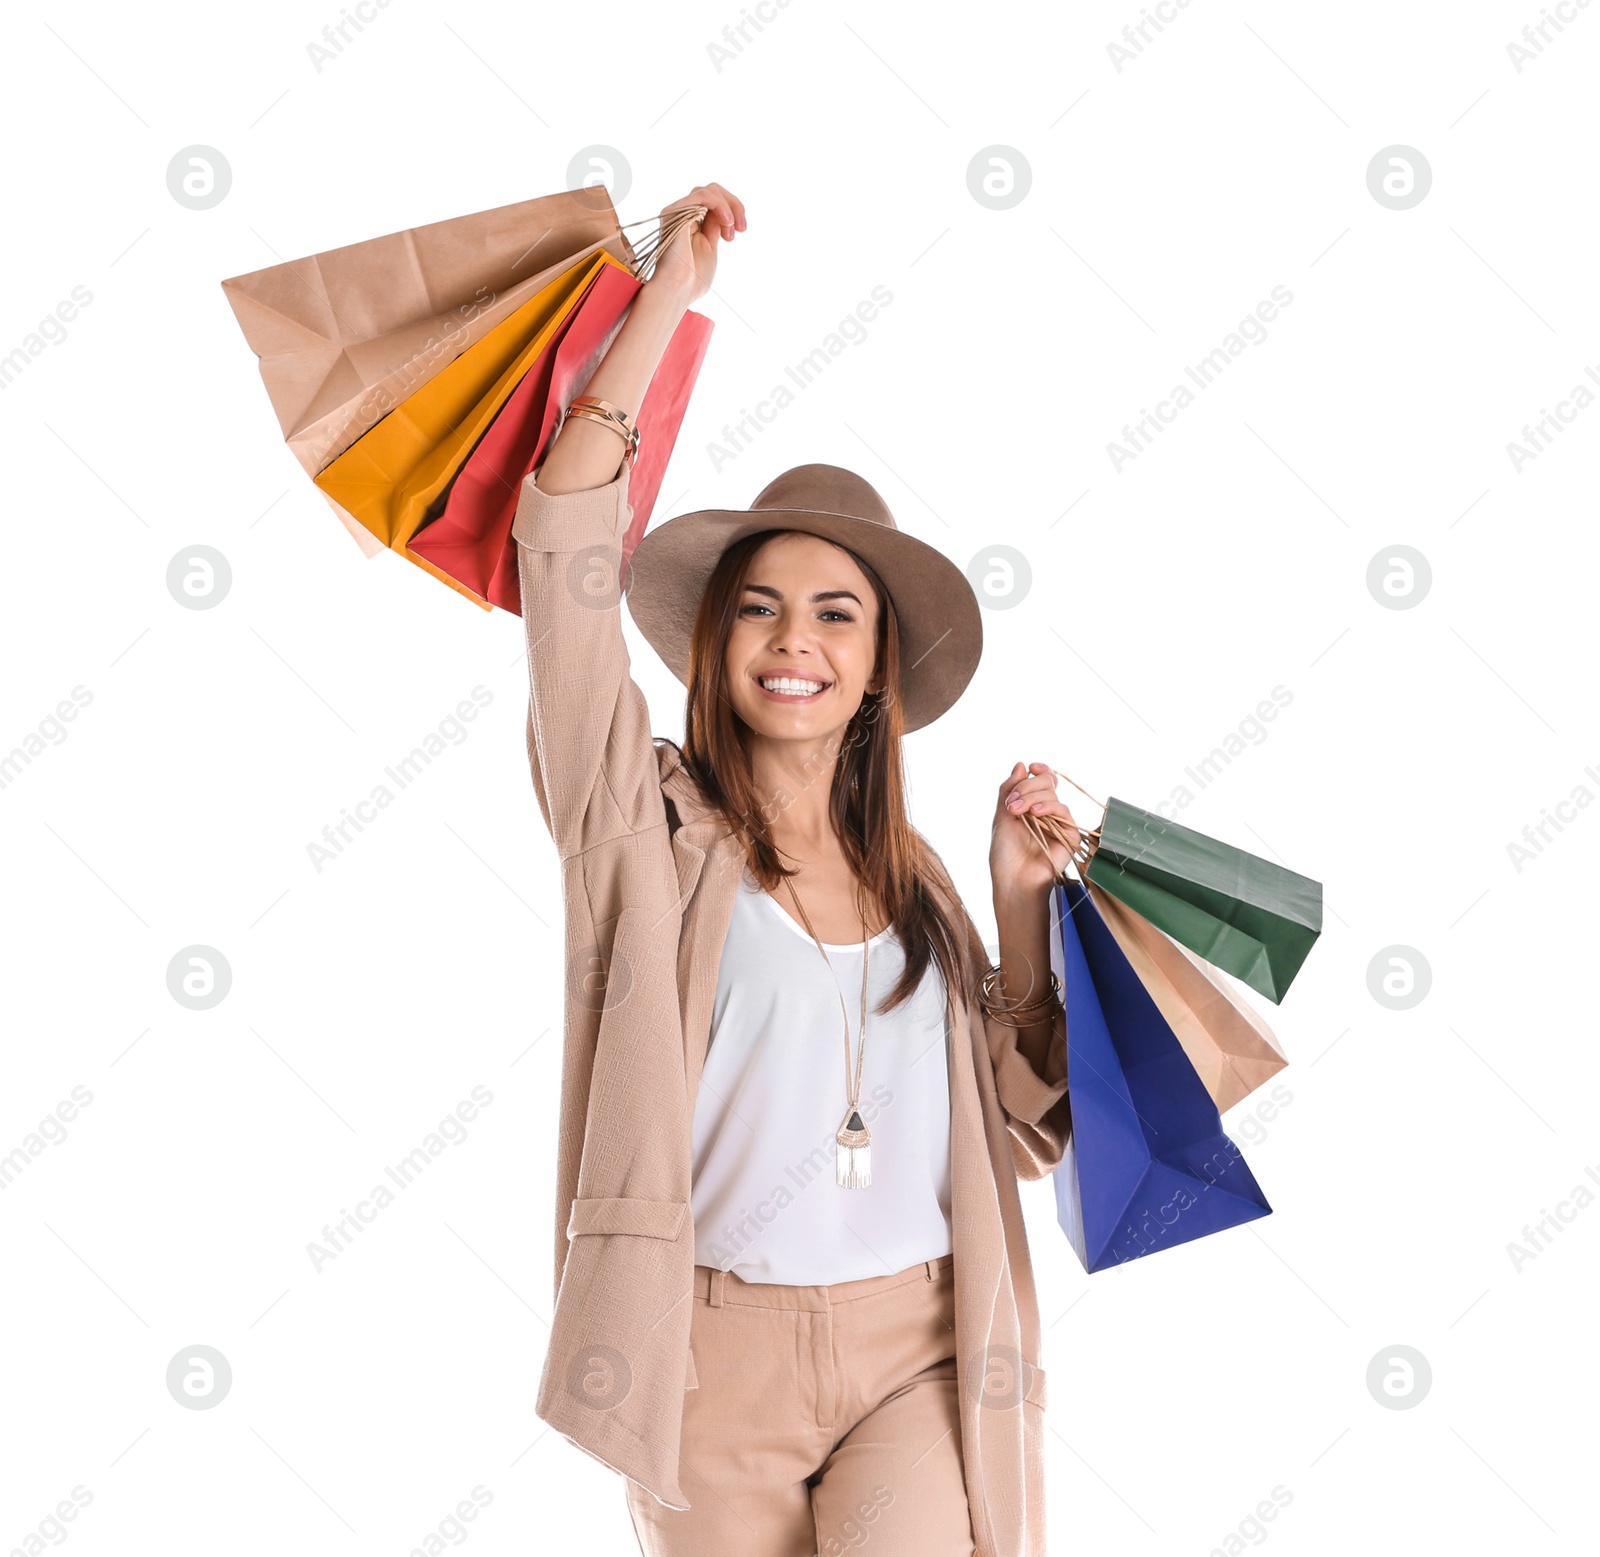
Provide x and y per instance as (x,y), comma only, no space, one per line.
(1233,1050)
(346,335)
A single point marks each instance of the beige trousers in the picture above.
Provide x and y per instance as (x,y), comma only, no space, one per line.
(825,1420)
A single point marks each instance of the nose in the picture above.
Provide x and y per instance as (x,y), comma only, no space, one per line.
(790,636)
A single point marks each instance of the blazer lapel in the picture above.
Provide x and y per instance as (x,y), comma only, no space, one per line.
(709,863)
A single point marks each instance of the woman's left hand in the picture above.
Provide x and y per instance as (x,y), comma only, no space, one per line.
(1017,861)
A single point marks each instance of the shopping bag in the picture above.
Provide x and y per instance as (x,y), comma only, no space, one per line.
(1241,913)
(1230,1046)
(470,537)
(1248,916)
(345,335)
(1147,1166)
(387,477)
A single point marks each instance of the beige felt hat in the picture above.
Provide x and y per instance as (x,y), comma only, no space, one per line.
(941,631)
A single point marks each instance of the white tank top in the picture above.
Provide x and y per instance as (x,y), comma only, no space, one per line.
(765,1199)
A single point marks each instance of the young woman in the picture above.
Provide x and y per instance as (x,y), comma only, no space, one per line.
(794,1305)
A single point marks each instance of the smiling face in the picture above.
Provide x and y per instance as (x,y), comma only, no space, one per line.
(802,649)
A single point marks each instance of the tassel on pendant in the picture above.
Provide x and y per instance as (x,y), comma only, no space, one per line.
(853,1162)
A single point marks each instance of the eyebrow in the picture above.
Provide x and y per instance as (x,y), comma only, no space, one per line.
(821,594)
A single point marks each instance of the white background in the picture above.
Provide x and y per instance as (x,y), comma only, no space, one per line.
(1167,599)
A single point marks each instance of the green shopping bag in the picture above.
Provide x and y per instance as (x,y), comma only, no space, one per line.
(1246,915)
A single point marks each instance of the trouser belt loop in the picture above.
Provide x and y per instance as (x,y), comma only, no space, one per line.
(933,1274)
(718,1279)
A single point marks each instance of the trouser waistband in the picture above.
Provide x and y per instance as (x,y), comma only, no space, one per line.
(718,1287)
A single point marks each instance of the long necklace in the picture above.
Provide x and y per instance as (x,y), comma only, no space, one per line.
(853,1141)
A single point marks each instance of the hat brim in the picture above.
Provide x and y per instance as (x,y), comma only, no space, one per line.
(941,623)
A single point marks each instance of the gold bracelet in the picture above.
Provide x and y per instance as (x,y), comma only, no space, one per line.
(1021,1005)
(593,404)
(613,416)
(1012,1020)
(1006,1014)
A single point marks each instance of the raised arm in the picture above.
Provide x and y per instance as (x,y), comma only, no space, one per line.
(1030,1059)
(585,454)
(589,742)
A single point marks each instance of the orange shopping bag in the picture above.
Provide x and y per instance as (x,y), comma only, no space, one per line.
(387,478)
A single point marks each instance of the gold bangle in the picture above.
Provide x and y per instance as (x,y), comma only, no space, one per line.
(1020,1008)
(629,434)
(1013,1020)
(1020,1005)
(1006,1014)
(605,408)
(613,416)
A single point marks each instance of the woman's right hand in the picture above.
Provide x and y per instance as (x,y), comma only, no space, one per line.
(688,263)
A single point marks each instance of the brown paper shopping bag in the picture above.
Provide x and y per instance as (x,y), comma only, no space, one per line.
(1231,1048)
(387,478)
(1226,1040)
(346,335)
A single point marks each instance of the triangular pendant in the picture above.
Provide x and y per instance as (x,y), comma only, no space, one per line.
(853,1159)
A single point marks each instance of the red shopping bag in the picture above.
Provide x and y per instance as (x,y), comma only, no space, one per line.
(459,534)
(470,539)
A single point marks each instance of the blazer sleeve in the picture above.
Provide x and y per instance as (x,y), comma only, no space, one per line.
(1030,1077)
(589,745)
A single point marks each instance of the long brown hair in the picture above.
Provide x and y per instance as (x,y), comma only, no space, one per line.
(867,800)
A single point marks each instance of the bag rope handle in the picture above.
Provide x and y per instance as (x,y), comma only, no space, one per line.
(651,247)
(1055,829)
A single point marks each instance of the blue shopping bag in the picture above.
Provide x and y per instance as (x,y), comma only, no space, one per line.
(1147,1165)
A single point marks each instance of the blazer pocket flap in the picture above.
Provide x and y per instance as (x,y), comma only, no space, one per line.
(1036,1391)
(641,1218)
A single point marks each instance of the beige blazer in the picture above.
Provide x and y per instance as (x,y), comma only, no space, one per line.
(649,879)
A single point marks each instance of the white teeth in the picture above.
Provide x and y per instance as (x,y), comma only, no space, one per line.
(790,684)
